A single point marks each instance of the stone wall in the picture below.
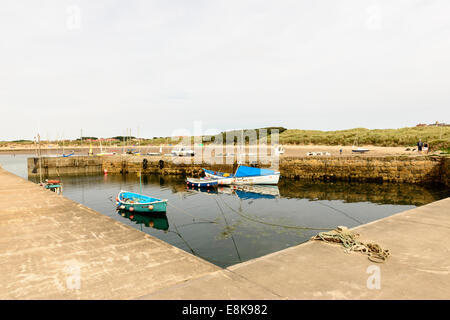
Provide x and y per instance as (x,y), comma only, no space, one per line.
(445,171)
(422,170)
(59,166)
(160,165)
(359,168)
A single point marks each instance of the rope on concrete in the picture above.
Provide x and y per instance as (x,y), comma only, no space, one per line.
(348,239)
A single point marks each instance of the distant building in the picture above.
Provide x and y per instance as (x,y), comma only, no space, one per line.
(436,124)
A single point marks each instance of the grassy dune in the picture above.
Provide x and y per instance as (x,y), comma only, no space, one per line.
(439,137)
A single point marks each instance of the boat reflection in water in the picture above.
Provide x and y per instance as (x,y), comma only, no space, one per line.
(154,220)
(243,192)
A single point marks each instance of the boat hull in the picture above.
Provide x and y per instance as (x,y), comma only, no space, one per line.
(202,183)
(266,179)
(155,205)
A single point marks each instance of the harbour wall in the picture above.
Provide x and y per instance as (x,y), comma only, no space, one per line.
(404,169)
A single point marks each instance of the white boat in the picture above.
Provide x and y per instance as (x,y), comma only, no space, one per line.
(360,150)
(245,175)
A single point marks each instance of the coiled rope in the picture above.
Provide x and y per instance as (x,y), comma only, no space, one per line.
(348,239)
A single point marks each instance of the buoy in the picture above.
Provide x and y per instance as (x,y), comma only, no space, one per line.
(131,217)
(150,207)
(105,171)
(123,214)
(117,198)
(131,209)
(122,207)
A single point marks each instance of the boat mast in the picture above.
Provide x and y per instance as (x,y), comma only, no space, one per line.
(40,166)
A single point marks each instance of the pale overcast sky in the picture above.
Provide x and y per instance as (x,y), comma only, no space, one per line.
(107,65)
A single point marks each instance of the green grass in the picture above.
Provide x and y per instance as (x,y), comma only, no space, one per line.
(438,137)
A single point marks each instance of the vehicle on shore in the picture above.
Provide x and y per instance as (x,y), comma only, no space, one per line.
(183,152)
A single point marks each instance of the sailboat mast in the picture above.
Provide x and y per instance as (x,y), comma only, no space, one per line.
(40,166)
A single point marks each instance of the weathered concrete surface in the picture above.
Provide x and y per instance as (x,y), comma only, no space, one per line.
(44,238)
(219,285)
(419,267)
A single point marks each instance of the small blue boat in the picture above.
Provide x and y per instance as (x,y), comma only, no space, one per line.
(68,155)
(139,203)
(202,182)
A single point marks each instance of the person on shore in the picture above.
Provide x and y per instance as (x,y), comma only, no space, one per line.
(425,147)
(419,146)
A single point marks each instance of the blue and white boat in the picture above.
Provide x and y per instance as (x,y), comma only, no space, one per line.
(202,182)
(245,175)
(140,203)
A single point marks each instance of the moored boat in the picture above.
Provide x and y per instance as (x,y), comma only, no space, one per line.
(202,182)
(245,175)
(140,203)
(360,150)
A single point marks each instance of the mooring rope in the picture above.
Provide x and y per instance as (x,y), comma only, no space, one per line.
(270,223)
(192,216)
(348,239)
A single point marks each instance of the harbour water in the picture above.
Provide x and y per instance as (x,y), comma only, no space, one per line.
(231,226)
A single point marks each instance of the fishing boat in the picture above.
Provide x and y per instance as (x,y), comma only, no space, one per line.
(68,155)
(53,185)
(245,175)
(360,150)
(139,203)
(357,149)
(202,182)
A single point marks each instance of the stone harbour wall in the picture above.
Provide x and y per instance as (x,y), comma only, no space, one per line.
(407,169)
(58,166)
(387,169)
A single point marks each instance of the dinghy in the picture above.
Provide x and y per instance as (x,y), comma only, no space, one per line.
(202,182)
(245,175)
(139,203)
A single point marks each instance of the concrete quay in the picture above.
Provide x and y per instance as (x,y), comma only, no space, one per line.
(54,248)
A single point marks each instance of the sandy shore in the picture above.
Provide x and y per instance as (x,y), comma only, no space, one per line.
(290,150)
(300,151)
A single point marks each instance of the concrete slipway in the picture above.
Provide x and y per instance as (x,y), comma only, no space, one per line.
(54,248)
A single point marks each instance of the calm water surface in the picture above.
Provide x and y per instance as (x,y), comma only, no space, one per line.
(231,226)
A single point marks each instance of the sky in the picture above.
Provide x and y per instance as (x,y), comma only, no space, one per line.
(161,66)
